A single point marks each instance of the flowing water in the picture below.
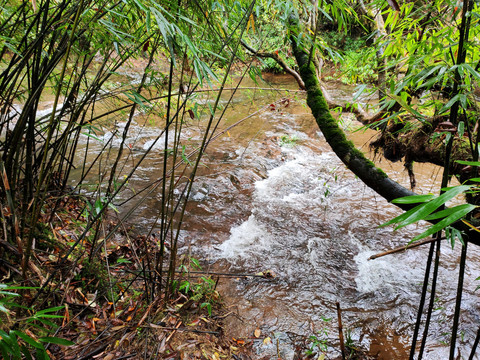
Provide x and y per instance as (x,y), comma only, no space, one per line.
(273,196)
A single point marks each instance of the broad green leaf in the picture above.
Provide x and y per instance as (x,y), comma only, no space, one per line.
(402,217)
(140,5)
(7,287)
(451,233)
(5,338)
(471,70)
(14,344)
(457,215)
(41,355)
(48,316)
(414,199)
(427,72)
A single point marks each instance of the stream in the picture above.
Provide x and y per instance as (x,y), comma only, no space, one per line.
(271,195)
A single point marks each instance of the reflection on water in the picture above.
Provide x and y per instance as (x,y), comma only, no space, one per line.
(261,203)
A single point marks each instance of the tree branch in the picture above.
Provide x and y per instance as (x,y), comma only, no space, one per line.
(356,109)
(279,61)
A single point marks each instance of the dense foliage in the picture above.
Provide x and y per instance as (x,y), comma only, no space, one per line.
(75,59)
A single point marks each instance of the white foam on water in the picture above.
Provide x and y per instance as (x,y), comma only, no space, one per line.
(249,237)
(159,144)
(305,178)
(387,273)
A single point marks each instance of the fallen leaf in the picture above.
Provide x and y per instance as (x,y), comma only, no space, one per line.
(267,340)
(257,333)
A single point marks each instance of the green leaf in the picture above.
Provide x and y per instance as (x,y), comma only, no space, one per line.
(471,70)
(4,309)
(208,306)
(461,129)
(6,287)
(41,355)
(26,353)
(461,211)
(459,97)
(123,261)
(28,339)
(14,345)
(413,199)
(47,316)
(359,91)
(407,107)
(421,211)
(56,340)
(451,233)
(471,163)
(446,212)
(49,310)
(5,350)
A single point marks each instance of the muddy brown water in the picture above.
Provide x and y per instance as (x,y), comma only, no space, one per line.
(271,195)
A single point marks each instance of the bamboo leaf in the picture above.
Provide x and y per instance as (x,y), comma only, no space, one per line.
(407,107)
(447,212)
(49,310)
(28,339)
(421,211)
(461,129)
(457,215)
(471,163)
(413,199)
(431,206)
(452,101)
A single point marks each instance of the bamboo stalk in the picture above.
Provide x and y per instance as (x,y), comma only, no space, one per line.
(432,298)
(422,302)
(340,331)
